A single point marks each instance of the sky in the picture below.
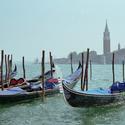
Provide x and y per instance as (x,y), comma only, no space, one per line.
(29,26)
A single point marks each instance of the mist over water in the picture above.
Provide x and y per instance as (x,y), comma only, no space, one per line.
(54,110)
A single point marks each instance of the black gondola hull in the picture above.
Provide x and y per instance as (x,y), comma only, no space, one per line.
(26,96)
(77,99)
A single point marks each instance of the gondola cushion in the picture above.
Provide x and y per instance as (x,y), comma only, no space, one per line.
(52,80)
(49,85)
(117,87)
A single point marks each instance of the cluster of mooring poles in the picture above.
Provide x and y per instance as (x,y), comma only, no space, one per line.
(8,68)
(84,76)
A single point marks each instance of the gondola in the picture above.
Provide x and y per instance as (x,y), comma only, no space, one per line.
(28,90)
(14,72)
(94,97)
(72,79)
(47,75)
(16,94)
(14,82)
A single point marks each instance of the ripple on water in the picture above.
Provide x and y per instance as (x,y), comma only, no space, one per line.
(54,111)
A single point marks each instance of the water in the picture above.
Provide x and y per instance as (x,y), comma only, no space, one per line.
(55,111)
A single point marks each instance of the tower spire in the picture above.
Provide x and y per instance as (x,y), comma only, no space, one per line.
(106,27)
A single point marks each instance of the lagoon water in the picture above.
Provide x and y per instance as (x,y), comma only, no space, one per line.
(55,111)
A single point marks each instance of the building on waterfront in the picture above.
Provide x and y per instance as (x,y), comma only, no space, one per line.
(105,58)
(107,54)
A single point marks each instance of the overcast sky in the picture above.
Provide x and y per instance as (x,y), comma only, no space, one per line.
(29,26)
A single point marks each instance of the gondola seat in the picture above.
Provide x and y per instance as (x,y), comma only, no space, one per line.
(117,87)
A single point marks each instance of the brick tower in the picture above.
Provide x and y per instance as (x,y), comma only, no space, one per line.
(106,40)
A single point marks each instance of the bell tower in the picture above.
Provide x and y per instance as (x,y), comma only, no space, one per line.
(106,40)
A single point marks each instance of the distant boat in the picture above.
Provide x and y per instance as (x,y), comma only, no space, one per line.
(36,61)
(104,59)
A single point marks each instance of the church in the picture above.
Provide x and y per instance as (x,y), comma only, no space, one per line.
(106,57)
(107,54)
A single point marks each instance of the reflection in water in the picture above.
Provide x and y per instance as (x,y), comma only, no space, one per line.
(54,111)
(102,115)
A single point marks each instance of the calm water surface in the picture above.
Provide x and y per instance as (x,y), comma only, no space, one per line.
(54,111)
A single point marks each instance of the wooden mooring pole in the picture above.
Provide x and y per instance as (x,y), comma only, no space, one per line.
(23,64)
(11,62)
(87,63)
(82,71)
(6,66)
(2,58)
(113,72)
(43,72)
(51,64)
(123,63)
(86,72)
(90,70)
(71,63)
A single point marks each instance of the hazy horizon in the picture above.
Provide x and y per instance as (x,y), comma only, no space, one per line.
(29,26)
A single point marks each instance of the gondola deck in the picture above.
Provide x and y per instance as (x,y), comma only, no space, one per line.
(21,95)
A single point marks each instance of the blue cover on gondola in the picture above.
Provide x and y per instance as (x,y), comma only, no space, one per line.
(49,85)
(38,86)
(117,87)
(12,91)
(98,91)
